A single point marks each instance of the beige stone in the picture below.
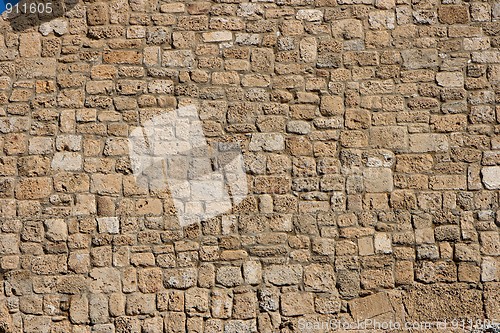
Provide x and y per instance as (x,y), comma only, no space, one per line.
(297,303)
(378,180)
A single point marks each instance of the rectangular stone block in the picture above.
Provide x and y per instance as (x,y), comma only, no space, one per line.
(428,142)
(122,57)
(420,58)
(36,68)
(378,180)
(33,188)
(389,137)
(491,177)
(217,36)
(448,182)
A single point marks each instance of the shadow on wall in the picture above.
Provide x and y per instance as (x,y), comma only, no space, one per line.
(26,14)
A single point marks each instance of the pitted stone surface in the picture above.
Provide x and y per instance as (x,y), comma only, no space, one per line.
(369,133)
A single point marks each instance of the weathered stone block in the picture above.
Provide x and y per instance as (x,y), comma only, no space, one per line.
(450,79)
(33,188)
(389,137)
(442,301)
(266,142)
(428,142)
(453,14)
(491,177)
(297,303)
(378,180)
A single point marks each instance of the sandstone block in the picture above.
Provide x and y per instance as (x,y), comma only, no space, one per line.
(382,243)
(319,278)
(252,272)
(106,183)
(450,79)
(67,161)
(229,276)
(56,230)
(49,264)
(97,14)
(9,244)
(448,182)
(180,278)
(79,309)
(297,303)
(245,305)
(221,303)
(217,36)
(371,306)
(98,308)
(105,280)
(140,304)
(197,300)
(416,59)
(308,49)
(266,142)
(40,145)
(389,137)
(176,7)
(442,301)
(378,180)
(122,57)
(283,274)
(309,15)
(491,177)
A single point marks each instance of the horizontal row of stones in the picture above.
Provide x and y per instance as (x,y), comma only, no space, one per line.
(207,310)
(101,13)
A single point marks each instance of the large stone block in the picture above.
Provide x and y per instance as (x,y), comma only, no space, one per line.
(297,303)
(33,188)
(378,180)
(428,142)
(453,14)
(389,137)
(491,177)
(420,58)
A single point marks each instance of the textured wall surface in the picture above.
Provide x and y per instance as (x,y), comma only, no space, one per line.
(369,131)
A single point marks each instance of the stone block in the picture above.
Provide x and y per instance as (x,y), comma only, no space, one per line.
(416,59)
(267,142)
(217,36)
(281,275)
(378,180)
(297,303)
(370,306)
(453,14)
(67,161)
(491,177)
(56,230)
(450,79)
(448,182)
(389,137)
(33,188)
(428,142)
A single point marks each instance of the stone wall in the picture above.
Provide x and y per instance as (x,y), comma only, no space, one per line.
(370,135)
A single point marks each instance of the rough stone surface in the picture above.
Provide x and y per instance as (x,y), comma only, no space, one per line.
(491,177)
(443,302)
(369,135)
